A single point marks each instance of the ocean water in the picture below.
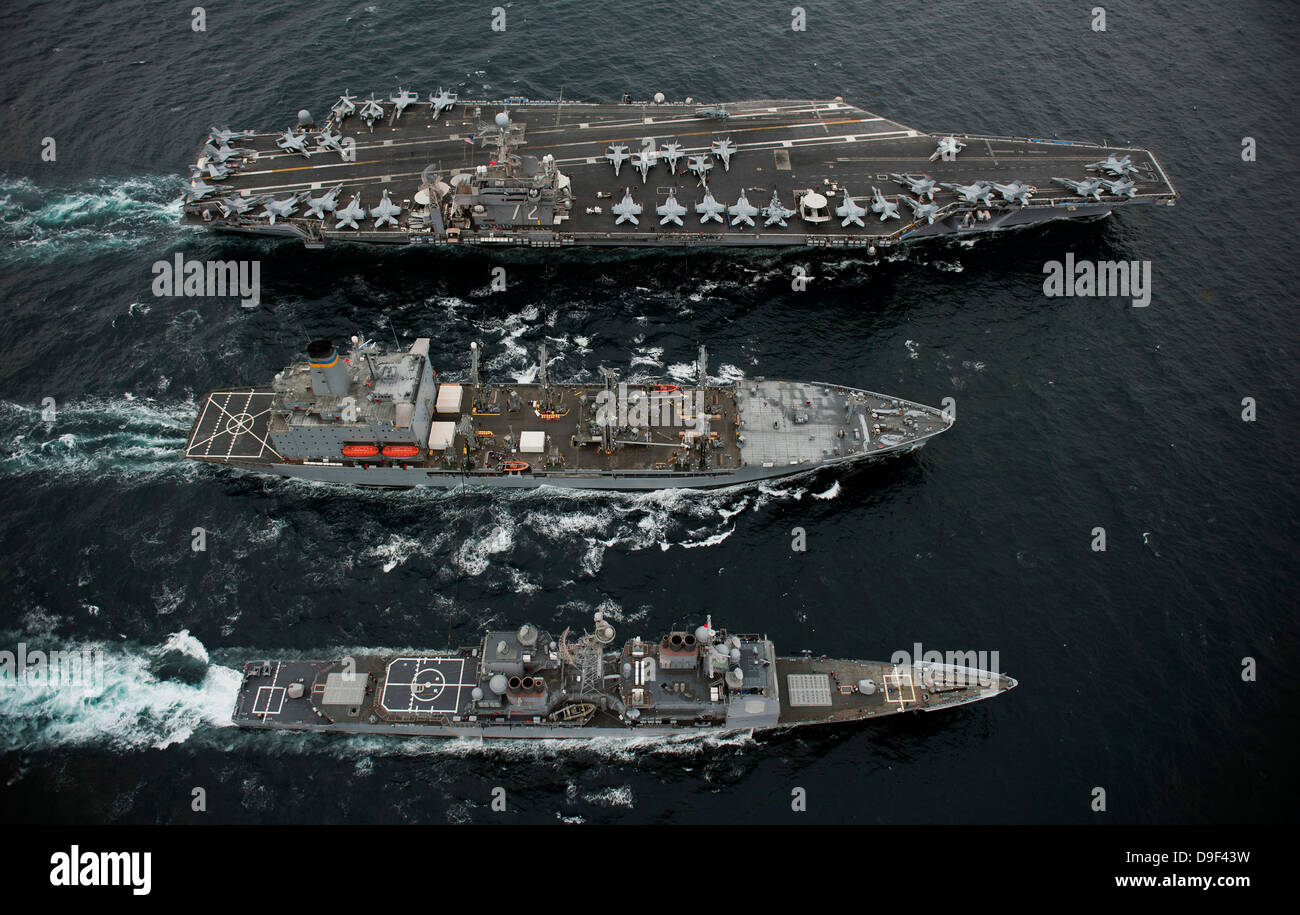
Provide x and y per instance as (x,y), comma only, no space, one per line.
(1071,414)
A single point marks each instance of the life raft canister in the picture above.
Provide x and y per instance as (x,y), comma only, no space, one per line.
(401,451)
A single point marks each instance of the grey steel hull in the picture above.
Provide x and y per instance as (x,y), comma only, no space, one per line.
(627,481)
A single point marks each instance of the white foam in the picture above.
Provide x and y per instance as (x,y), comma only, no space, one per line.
(133,709)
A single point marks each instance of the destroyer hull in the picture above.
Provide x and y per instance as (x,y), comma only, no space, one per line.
(823,696)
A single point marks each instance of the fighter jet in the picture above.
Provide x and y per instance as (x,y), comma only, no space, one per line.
(211,170)
(325,203)
(280,209)
(223,152)
(979,192)
(294,142)
(344,106)
(618,155)
(222,136)
(1121,188)
(643,162)
(349,215)
(775,212)
(627,209)
(401,100)
(724,150)
(671,152)
(926,211)
(882,206)
(385,211)
(742,211)
(948,147)
(850,211)
(326,140)
(700,166)
(371,111)
(710,209)
(1088,187)
(1015,192)
(198,190)
(670,211)
(922,187)
(442,101)
(1118,168)
(237,205)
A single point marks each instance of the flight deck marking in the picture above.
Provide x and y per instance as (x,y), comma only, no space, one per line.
(265,696)
(233,423)
(421,680)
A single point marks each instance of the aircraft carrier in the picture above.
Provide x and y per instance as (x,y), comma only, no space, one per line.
(375,418)
(440,170)
(525,683)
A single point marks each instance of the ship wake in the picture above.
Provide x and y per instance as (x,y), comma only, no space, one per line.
(94,217)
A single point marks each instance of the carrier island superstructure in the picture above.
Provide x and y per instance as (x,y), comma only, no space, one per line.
(526,683)
(383,418)
(441,170)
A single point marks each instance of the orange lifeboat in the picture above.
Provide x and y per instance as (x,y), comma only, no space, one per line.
(360,451)
(515,466)
(401,451)
(665,387)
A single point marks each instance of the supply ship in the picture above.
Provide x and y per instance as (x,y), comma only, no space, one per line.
(440,170)
(372,417)
(525,683)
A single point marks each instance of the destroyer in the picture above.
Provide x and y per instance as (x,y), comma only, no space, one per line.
(527,684)
(385,419)
(447,171)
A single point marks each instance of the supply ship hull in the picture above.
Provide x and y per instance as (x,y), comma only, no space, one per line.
(385,419)
(525,684)
(547,173)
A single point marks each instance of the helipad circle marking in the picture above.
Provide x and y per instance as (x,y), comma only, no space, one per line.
(240,424)
(428,684)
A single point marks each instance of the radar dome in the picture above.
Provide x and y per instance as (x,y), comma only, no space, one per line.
(503,119)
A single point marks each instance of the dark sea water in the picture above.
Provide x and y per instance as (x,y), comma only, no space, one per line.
(1072,414)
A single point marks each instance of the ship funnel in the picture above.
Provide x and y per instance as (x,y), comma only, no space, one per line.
(329,374)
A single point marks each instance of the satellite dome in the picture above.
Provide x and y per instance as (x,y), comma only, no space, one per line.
(659,98)
(497,684)
(503,119)
(304,118)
